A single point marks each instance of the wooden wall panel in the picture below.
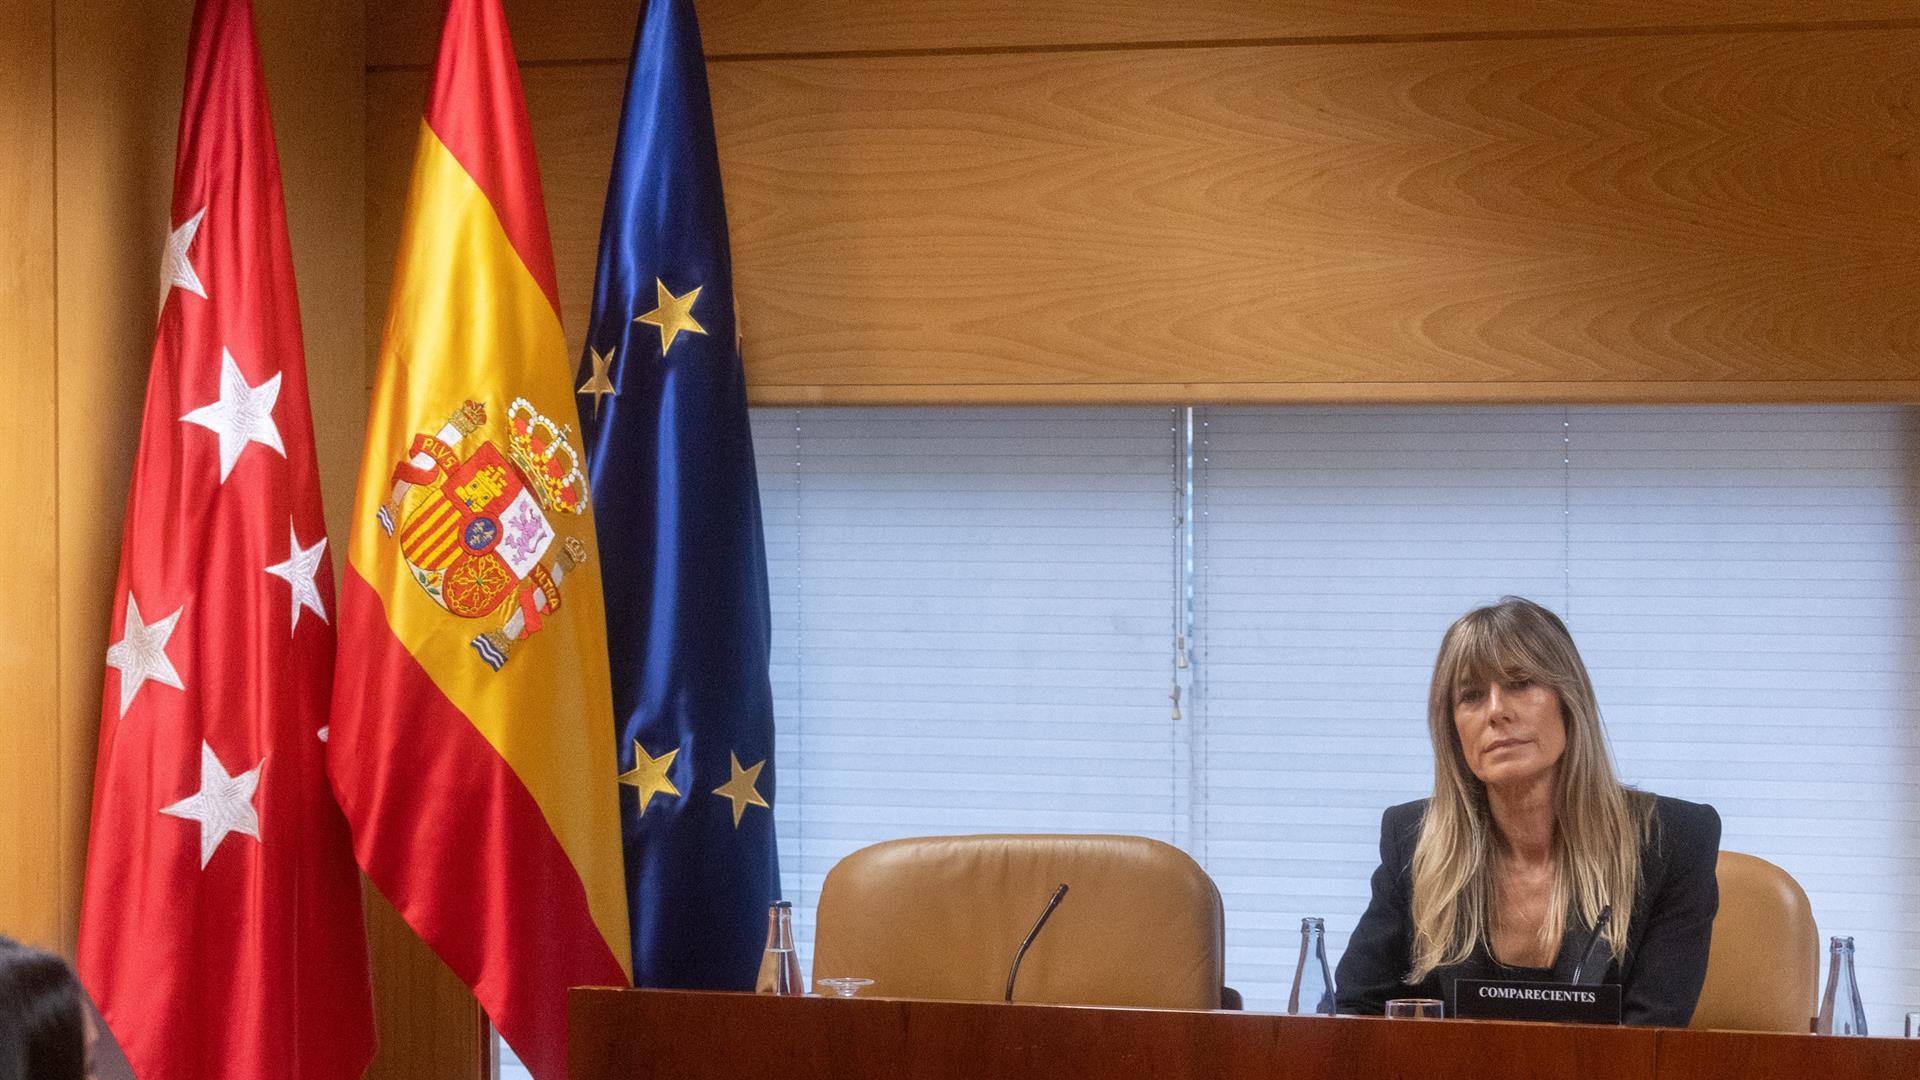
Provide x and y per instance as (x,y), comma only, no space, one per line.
(396,101)
(1232,223)
(426,1020)
(30,839)
(119,68)
(1582,219)
(316,75)
(545,30)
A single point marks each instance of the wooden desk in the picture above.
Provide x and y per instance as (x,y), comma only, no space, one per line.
(679,1035)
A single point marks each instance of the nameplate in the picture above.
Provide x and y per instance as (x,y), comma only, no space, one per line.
(1561,1003)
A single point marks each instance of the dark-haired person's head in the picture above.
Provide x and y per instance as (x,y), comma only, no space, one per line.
(43,1028)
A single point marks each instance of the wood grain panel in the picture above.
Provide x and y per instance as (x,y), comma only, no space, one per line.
(1607,210)
(405,31)
(1725,1055)
(315,64)
(396,101)
(728,1036)
(29,664)
(427,1022)
(1782,391)
(1687,219)
(692,1036)
(119,65)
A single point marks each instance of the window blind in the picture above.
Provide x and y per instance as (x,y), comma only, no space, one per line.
(973,618)
(1332,549)
(1740,581)
(1743,588)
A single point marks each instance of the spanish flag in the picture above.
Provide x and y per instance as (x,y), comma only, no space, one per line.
(471,742)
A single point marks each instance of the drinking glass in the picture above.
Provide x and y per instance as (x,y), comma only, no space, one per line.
(1913,1025)
(1416,1009)
(845,986)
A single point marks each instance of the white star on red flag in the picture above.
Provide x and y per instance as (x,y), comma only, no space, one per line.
(243,414)
(298,571)
(176,269)
(224,804)
(141,653)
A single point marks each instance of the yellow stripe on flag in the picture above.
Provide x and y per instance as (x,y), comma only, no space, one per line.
(548,710)
(429,540)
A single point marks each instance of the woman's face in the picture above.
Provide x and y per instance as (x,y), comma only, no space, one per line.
(1511,730)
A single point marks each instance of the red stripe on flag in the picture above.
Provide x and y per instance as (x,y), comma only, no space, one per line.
(477,110)
(449,834)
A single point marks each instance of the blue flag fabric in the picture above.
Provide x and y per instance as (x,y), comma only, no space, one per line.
(670,457)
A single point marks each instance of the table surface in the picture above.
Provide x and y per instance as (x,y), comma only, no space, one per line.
(717,1036)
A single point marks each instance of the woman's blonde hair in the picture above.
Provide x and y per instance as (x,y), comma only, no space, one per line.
(1599,825)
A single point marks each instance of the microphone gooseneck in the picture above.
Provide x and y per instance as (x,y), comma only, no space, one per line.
(1587,957)
(1014,972)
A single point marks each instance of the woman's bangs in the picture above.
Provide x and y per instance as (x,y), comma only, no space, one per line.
(1488,653)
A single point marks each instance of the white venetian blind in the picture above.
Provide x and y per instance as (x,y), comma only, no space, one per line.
(1332,549)
(1741,582)
(1743,589)
(973,618)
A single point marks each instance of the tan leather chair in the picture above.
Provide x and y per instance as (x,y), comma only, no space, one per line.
(1764,966)
(941,917)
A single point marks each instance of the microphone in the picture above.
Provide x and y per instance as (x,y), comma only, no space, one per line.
(1014,972)
(1587,955)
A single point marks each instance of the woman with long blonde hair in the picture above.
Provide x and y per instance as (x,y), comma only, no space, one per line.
(1528,838)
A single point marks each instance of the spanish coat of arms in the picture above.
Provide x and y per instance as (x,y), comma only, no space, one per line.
(473,526)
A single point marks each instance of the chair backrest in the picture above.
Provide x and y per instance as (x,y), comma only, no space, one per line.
(941,917)
(1763,970)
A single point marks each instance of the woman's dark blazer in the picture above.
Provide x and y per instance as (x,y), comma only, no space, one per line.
(1666,959)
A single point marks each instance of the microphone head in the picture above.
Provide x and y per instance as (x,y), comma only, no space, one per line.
(1584,971)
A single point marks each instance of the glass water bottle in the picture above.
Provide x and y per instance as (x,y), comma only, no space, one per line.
(1312,981)
(779,965)
(1841,1011)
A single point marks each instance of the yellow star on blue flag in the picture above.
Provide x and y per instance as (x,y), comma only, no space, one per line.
(672,314)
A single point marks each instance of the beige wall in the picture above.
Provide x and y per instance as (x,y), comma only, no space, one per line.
(32,853)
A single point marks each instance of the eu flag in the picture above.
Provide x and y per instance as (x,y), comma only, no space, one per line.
(670,456)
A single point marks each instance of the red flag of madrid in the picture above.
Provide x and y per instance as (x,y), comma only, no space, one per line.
(220,931)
